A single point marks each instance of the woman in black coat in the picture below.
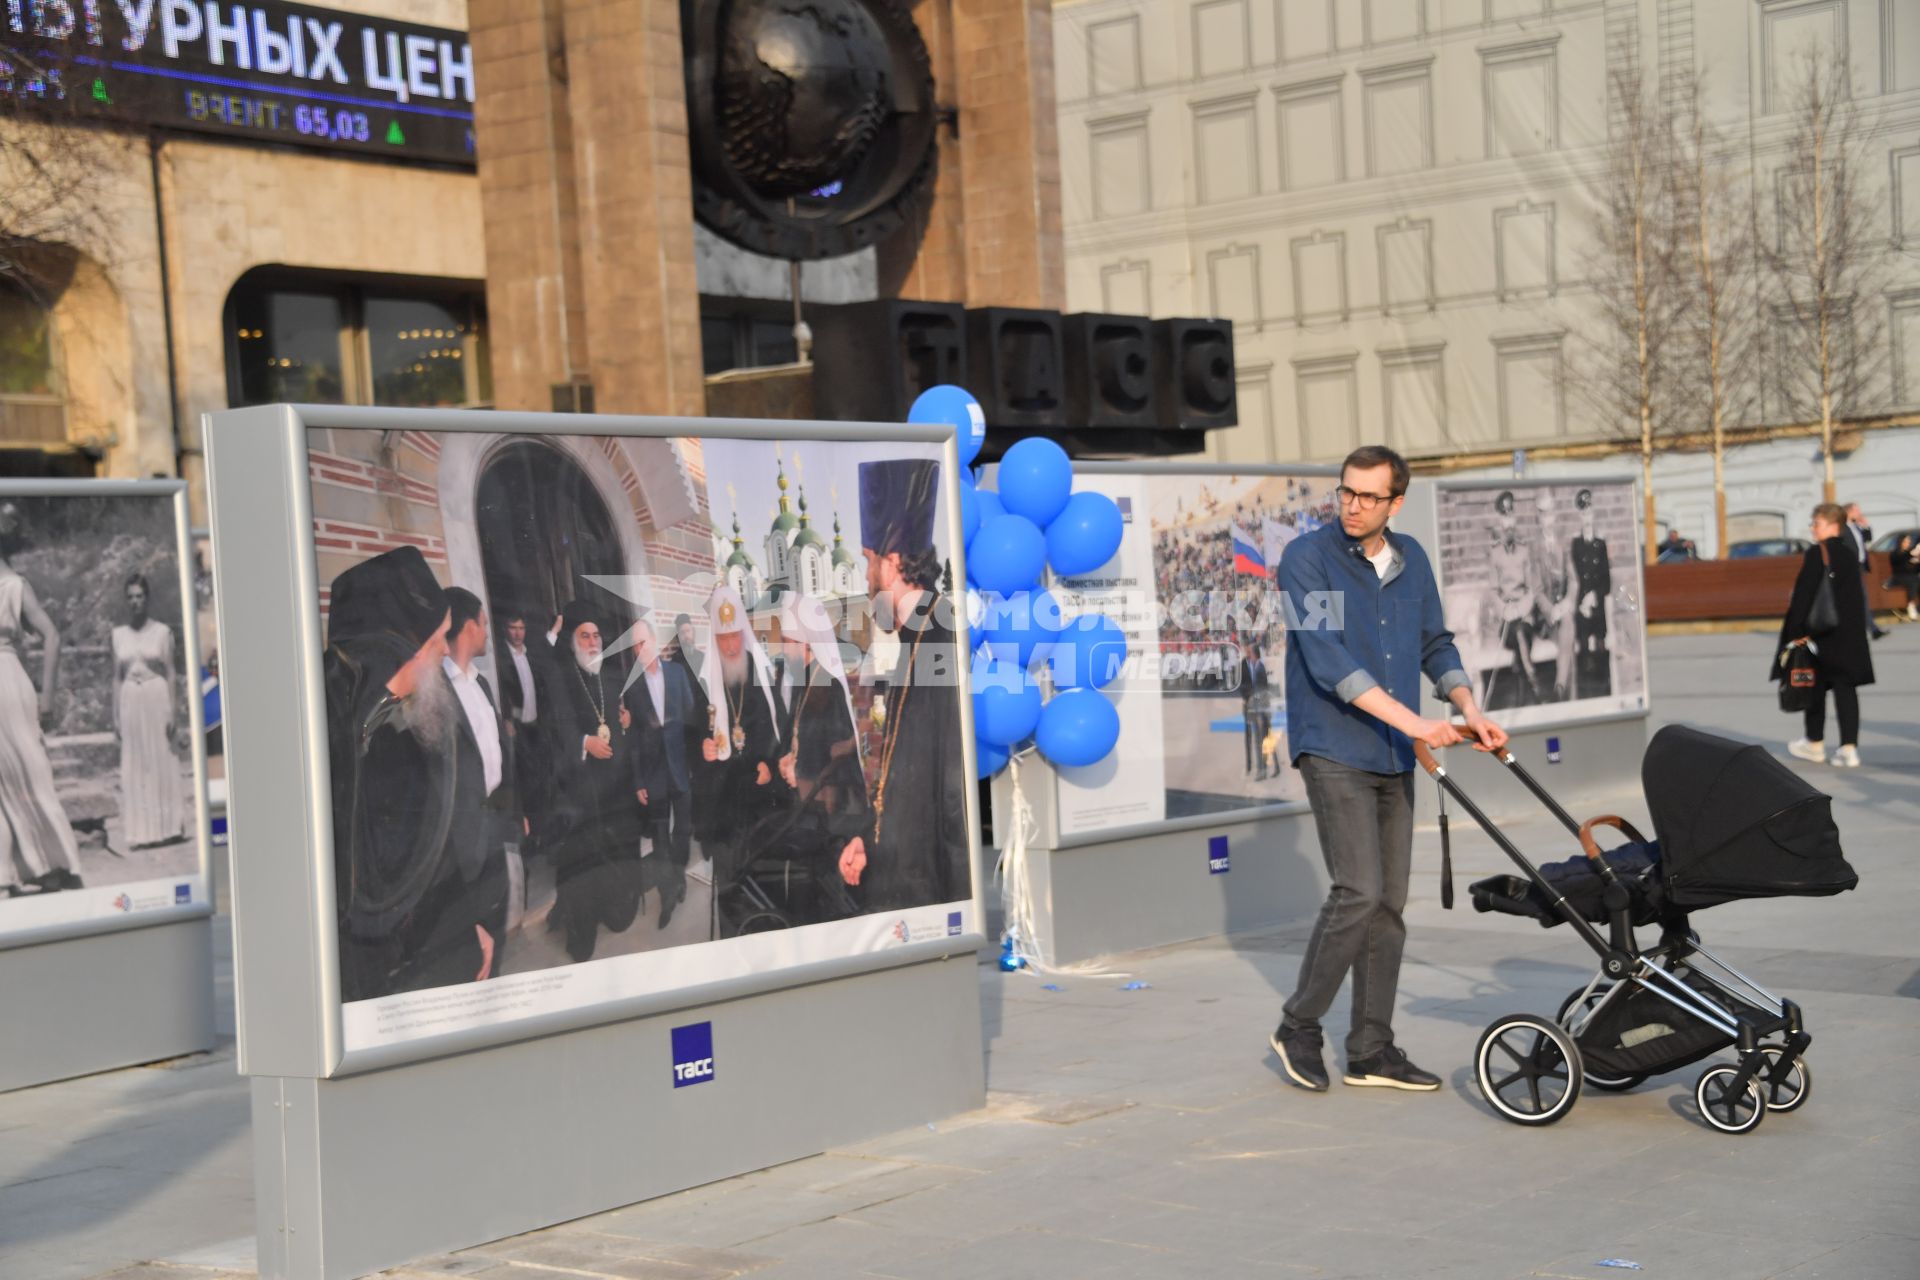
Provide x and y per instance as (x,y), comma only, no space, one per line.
(1843,660)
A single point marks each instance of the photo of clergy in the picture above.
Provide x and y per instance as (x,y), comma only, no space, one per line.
(518,786)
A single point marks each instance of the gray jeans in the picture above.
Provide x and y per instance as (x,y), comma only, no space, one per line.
(1365,822)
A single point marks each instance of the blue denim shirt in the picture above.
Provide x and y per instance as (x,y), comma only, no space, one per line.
(1393,630)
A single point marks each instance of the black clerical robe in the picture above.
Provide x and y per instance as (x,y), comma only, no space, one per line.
(594,824)
(918,846)
(405,812)
(728,798)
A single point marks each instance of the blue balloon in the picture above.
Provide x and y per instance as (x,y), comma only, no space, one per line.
(990,505)
(1036,479)
(953,406)
(1007,555)
(1006,703)
(1089,654)
(988,758)
(1078,727)
(1084,535)
(969,510)
(1022,627)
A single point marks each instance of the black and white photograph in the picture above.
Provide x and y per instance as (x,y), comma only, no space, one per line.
(631,712)
(1542,590)
(99,808)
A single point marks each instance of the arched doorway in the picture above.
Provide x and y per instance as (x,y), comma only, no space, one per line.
(543,527)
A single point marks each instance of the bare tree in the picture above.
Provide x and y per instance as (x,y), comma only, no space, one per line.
(52,158)
(1715,267)
(1823,259)
(1628,370)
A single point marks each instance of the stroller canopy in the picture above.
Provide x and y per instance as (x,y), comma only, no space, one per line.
(1735,823)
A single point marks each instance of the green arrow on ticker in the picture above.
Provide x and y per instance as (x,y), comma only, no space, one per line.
(100,92)
(394,135)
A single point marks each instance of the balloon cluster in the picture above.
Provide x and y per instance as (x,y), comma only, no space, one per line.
(1012,535)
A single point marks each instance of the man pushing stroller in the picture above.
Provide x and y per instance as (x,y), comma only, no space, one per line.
(1352,685)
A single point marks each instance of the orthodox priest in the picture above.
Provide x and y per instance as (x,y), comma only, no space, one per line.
(593,833)
(915,851)
(404,812)
(736,782)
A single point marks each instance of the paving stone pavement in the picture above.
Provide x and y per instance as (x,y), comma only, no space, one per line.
(1149,1133)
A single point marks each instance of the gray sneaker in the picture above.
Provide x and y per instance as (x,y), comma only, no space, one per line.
(1390,1069)
(1300,1050)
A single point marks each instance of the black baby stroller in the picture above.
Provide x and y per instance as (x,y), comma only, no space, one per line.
(1732,823)
(784,873)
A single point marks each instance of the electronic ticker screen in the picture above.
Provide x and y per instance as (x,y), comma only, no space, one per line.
(288,73)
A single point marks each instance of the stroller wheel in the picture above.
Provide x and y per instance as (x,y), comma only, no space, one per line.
(1721,1107)
(1790,1092)
(1528,1069)
(1606,1084)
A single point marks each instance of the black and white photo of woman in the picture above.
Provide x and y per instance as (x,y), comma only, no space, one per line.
(153,805)
(38,850)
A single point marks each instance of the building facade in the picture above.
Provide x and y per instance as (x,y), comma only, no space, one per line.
(1394,200)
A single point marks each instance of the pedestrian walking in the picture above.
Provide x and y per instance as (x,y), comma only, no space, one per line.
(1828,612)
(1351,726)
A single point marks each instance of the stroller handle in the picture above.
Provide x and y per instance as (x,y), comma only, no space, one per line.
(1424,754)
(1592,847)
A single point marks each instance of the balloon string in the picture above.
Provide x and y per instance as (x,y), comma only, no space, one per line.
(1016,890)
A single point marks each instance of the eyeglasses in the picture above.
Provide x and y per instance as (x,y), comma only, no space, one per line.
(1365,501)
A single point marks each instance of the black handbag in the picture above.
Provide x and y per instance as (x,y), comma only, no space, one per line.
(1823,615)
(1800,677)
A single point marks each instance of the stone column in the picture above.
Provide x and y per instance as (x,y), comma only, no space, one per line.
(993,236)
(586,193)
(635,187)
(535,327)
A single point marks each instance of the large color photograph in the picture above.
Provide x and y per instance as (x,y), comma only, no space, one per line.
(611,716)
(1202,707)
(1542,590)
(99,809)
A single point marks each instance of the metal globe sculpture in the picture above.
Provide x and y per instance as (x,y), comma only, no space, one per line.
(812,122)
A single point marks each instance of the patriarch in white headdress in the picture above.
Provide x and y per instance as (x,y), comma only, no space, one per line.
(730,665)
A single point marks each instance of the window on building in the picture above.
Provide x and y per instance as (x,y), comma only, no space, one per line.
(1328,402)
(320,339)
(1126,287)
(1413,396)
(1226,150)
(1531,385)
(1120,167)
(1406,265)
(1113,55)
(745,333)
(1306,28)
(1521,86)
(1222,37)
(1312,136)
(1904,332)
(26,343)
(1791,33)
(1320,277)
(31,407)
(1399,117)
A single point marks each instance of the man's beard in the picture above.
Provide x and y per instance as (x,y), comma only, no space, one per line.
(430,711)
(589,663)
(734,668)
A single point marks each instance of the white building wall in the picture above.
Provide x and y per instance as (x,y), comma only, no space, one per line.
(1392,199)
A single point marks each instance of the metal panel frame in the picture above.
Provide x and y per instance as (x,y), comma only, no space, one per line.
(289,1033)
(176,490)
(1050,819)
(1427,512)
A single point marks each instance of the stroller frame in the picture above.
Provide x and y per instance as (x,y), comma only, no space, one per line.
(1767,1031)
